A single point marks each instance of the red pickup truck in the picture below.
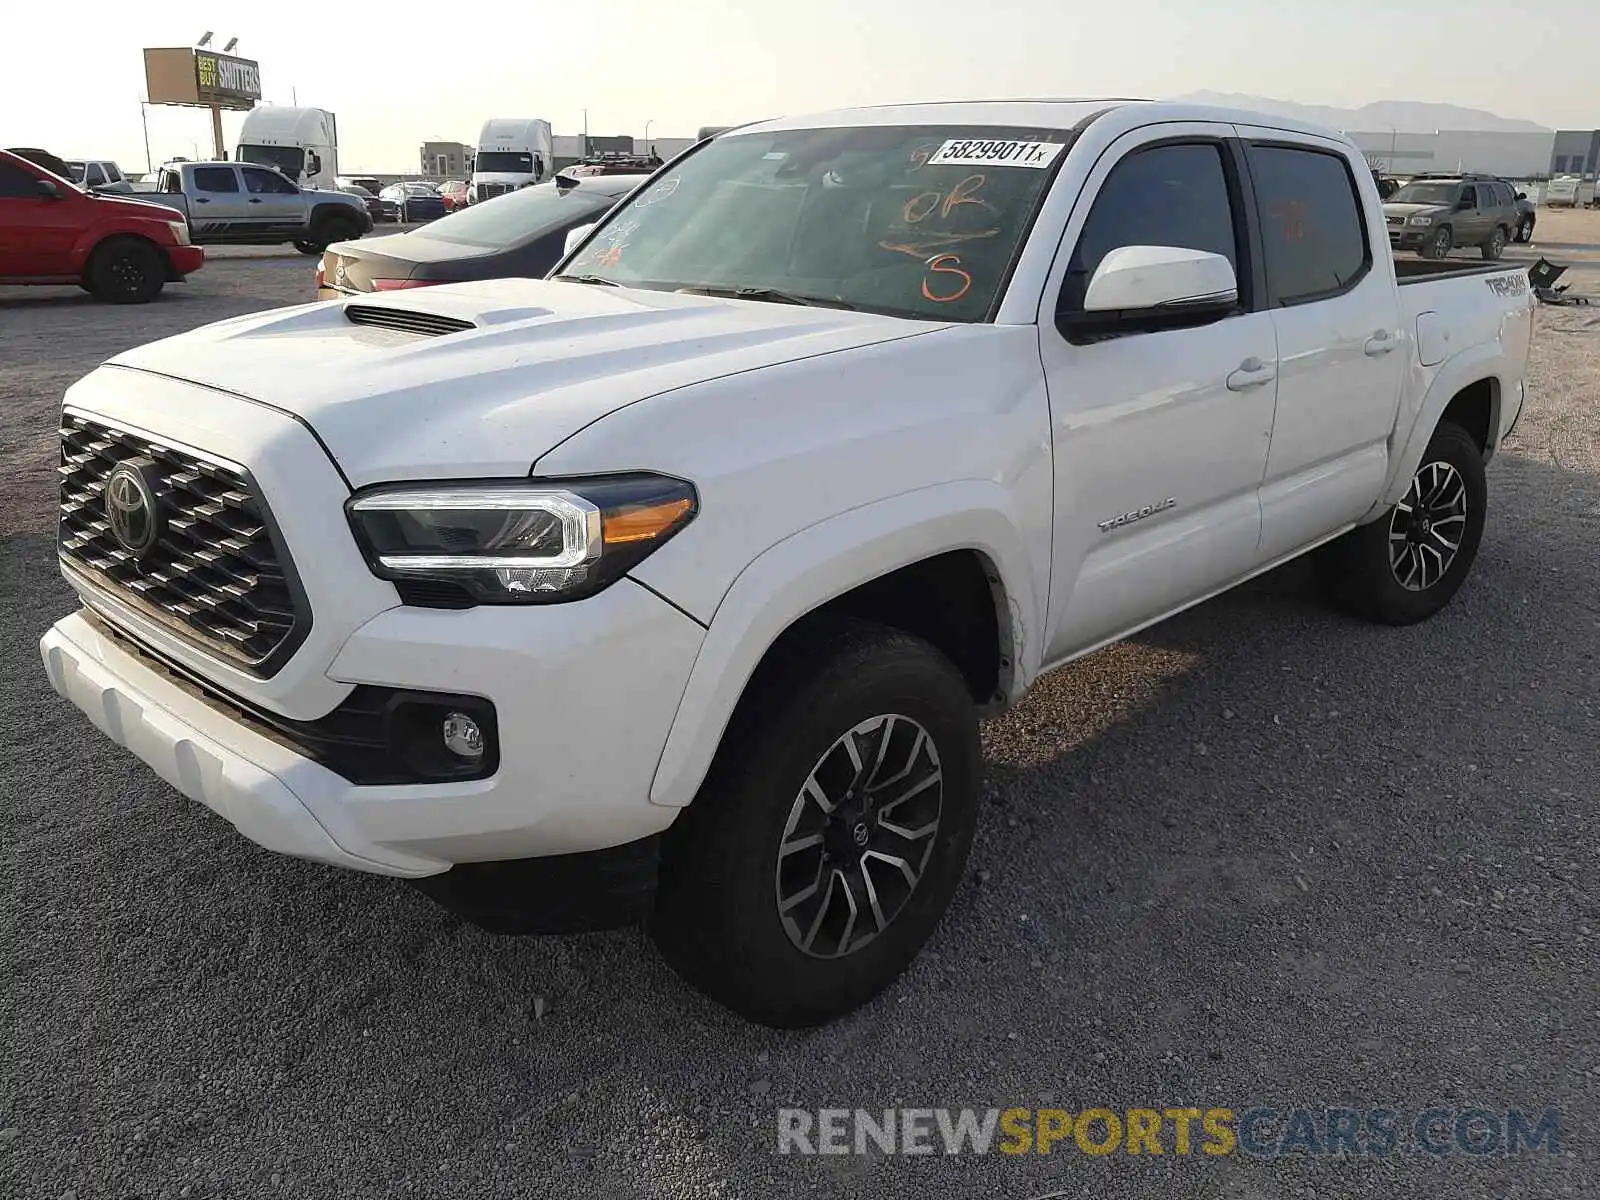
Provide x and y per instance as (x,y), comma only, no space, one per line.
(122,251)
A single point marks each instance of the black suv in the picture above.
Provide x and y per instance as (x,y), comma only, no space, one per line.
(1433,214)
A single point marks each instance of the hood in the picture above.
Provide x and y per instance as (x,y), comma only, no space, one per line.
(543,361)
(141,205)
(1411,210)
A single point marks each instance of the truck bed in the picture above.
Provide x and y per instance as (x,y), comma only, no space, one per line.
(1419,270)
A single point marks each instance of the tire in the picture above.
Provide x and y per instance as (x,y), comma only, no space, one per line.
(327,231)
(1525,230)
(717,917)
(1439,244)
(1394,582)
(126,270)
(1495,246)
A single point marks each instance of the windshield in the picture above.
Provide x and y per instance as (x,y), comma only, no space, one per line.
(503,160)
(915,221)
(519,216)
(288,159)
(1426,193)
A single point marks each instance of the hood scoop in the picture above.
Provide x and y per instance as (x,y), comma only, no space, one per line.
(423,324)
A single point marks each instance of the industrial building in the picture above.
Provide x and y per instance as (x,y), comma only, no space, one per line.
(1515,154)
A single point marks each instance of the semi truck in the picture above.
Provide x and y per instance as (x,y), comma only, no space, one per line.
(511,153)
(303,143)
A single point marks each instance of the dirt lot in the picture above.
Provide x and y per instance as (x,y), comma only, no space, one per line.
(1262,855)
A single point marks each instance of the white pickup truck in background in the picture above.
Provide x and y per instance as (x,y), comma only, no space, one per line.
(675,586)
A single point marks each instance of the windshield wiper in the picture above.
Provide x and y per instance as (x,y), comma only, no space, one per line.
(600,279)
(772,295)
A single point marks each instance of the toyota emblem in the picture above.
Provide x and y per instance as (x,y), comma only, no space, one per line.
(131,509)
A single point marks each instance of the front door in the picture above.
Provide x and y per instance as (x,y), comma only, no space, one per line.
(36,232)
(1341,352)
(273,204)
(1160,437)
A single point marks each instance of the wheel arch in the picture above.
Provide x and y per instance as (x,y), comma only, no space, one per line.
(1468,390)
(860,563)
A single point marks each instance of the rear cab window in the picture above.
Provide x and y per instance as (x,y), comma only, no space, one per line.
(1313,228)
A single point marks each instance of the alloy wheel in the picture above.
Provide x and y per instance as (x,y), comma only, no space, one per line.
(859,836)
(1426,527)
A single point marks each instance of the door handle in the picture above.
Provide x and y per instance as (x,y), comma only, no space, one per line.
(1379,343)
(201,200)
(1252,372)
(255,200)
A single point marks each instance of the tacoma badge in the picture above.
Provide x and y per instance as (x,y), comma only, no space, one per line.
(1128,518)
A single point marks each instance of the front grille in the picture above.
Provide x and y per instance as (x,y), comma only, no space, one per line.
(485,190)
(406,321)
(216,573)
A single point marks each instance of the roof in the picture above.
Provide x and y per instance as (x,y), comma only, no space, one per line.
(1027,113)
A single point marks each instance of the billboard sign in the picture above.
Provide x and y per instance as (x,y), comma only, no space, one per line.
(184,75)
(226,80)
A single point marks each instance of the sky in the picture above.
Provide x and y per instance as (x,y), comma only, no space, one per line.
(399,73)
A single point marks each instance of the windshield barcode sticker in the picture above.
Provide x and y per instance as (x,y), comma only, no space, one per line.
(982,152)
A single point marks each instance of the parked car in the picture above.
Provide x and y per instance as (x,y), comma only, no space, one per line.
(454,192)
(245,204)
(369,182)
(522,233)
(1433,214)
(1562,192)
(810,491)
(416,201)
(98,175)
(53,232)
(380,210)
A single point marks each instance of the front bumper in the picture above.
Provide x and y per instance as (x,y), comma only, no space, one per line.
(185,260)
(1409,237)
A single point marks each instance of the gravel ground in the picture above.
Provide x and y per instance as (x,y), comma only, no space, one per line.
(1261,855)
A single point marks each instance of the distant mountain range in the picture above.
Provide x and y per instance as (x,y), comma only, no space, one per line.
(1406,116)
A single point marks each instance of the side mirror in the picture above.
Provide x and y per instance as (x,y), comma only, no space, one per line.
(574,236)
(1142,278)
(48,190)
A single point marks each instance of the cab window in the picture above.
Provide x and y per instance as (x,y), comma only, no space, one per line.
(1313,233)
(215,179)
(1167,195)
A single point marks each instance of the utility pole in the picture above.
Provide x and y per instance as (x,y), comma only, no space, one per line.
(647,125)
(586,133)
(144,120)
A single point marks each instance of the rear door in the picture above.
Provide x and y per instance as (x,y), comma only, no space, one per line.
(1335,308)
(1160,435)
(216,203)
(273,204)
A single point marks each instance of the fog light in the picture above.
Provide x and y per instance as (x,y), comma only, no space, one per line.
(462,737)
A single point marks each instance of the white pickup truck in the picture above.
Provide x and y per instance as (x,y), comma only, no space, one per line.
(675,585)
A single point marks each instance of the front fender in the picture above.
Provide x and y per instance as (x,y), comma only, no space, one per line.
(1471,366)
(826,560)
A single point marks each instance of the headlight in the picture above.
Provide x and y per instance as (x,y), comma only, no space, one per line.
(1420,221)
(517,542)
(180,230)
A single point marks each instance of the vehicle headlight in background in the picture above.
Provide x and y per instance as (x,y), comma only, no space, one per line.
(180,230)
(522,542)
(1420,221)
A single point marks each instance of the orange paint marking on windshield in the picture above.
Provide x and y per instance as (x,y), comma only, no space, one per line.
(937,266)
